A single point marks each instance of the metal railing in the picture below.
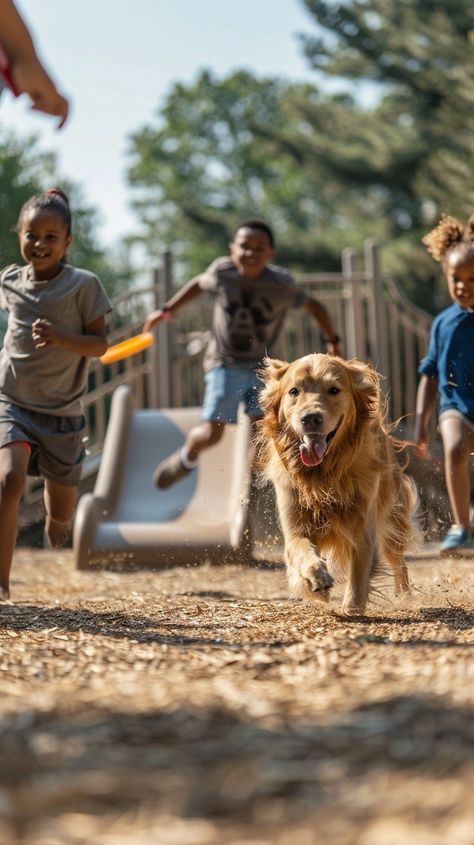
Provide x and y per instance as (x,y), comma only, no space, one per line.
(375,320)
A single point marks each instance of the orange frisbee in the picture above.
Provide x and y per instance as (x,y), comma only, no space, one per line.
(131,346)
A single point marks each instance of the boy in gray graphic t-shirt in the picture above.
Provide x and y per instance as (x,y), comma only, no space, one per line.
(252,297)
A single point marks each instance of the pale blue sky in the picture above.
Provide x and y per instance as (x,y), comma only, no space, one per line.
(118,58)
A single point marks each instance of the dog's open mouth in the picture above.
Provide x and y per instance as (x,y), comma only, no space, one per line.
(313,447)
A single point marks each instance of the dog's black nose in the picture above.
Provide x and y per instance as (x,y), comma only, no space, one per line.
(312,420)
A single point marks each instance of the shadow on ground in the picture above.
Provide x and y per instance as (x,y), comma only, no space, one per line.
(213,765)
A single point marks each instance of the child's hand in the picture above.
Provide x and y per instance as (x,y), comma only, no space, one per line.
(335,349)
(44,334)
(31,78)
(154,319)
(422,451)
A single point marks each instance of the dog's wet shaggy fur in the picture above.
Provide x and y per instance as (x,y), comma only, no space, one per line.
(343,499)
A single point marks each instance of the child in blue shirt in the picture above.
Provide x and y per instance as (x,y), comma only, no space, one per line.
(447,373)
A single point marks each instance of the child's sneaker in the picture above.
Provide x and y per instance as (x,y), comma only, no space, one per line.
(170,471)
(456,541)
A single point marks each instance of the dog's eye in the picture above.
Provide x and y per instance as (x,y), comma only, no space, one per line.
(294,391)
(333,391)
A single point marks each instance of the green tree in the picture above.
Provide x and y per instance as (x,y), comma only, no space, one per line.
(410,158)
(202,168)
(326,170)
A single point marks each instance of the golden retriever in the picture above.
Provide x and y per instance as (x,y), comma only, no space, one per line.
(343,500)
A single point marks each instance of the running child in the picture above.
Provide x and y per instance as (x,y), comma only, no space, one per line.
(447,373)
(252,297)
(56,323)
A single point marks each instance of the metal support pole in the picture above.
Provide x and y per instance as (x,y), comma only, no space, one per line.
(165,337)
(352,308)
(377,314)
(153,379)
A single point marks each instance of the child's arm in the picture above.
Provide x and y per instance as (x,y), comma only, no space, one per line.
(321,315)
(27,73)
(426,397)
(91,344)
(187,293)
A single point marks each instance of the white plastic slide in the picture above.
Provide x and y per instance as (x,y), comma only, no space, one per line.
(127,519)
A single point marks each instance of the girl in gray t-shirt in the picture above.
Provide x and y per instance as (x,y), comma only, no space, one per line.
(56,323)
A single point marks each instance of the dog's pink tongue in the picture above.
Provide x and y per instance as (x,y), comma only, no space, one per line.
(312,451)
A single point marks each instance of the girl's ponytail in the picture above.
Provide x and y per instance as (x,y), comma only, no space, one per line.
(448,233)
(57,192)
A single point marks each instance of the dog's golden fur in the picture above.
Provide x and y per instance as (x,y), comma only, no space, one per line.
(342,497)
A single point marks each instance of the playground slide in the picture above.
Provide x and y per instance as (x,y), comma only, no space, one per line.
(127,519)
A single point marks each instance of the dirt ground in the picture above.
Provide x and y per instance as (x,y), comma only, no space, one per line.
(202,706)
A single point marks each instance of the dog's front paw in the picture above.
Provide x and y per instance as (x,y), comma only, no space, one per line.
(317,579)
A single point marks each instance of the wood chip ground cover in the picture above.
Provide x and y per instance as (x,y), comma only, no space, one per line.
(201,706)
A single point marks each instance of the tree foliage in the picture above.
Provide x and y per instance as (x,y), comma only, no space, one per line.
(201,169)
(418,136)
(327,170)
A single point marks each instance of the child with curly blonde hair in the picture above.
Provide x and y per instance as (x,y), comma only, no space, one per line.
(447,373)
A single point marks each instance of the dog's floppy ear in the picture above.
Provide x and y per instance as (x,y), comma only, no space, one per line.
(271,374)
(366,384)
(273,369)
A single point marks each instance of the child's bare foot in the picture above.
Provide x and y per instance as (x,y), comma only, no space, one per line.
(4,594)
(56,534)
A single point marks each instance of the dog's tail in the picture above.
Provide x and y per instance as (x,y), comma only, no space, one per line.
(413,504)
(405,532)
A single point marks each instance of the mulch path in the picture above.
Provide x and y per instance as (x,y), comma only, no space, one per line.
(202,706)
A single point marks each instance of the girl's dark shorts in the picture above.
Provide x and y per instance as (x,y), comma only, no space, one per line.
(57,449)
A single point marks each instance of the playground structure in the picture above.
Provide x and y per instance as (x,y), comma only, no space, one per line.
(375,320)
(128,519)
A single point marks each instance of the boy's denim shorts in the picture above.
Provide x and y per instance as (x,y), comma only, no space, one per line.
(57,449)
(453,412)
(225,389)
